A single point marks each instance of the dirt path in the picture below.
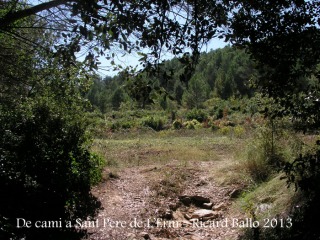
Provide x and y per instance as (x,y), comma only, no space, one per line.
(155,202)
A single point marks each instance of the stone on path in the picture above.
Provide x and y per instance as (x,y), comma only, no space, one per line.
(208,205)
(204,214)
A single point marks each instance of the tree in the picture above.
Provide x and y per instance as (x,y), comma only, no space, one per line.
(179,90)
(196,93)
(117,98)
(46,169)
(99,94)
(140,89)
(283,37)
(224,85)
(46,166)
(106,27)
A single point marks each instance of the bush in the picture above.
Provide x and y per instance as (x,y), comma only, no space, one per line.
(156,123)
(97,164)
(304,171)
(46,170)
(263,155)
(239,131)
(257,167)
(177,124)
(225,130)
(214,127)
(194,124)
(219,113)
(196,114)
(121,124)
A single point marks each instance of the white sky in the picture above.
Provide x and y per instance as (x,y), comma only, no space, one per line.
(105,69)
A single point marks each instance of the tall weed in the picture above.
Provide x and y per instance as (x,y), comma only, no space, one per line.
(264,154)
(154,122)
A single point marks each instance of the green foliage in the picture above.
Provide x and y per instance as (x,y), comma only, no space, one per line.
(46,161)
(177,124)
(257,168)
(239,131)
(46,166)
(286,47)
(282,36)
(99,95)
(196,93)
(264,155)
(198,114)
(154,122)
(119,96)
(225,130)
(97,163)
(122,124)
(287,57)
(161,88)
(304,171)
(216,106)
(193,124)
(214,127)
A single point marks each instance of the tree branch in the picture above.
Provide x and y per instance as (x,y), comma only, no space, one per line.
(11,17)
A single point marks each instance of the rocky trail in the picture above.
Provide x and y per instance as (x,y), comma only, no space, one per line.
(165,202)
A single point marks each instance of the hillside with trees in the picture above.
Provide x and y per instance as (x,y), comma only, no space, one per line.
(223,73)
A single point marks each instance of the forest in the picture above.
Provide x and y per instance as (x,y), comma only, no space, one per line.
(225,73)
(221,144)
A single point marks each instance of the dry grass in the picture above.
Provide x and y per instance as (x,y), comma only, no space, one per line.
(274,193)
(228,172)
(172,153)
(170,181)
(163,148)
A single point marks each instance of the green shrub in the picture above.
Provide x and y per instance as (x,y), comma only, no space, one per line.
(47,169)
(214,127)
(97,165)
(177,124)
(304,171)
(154,122)
(219,113)
(263,155)
(197,114)
(121,124)
(193,124)
(225,130)
(115,126)
(126,124)
(257,167)
(239,131)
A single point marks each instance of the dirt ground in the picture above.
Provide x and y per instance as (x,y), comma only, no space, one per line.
(146,202)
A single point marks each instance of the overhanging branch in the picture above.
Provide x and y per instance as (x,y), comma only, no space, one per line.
(11,17)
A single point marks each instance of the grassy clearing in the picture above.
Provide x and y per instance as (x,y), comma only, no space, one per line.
(148,148)
(171,154)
